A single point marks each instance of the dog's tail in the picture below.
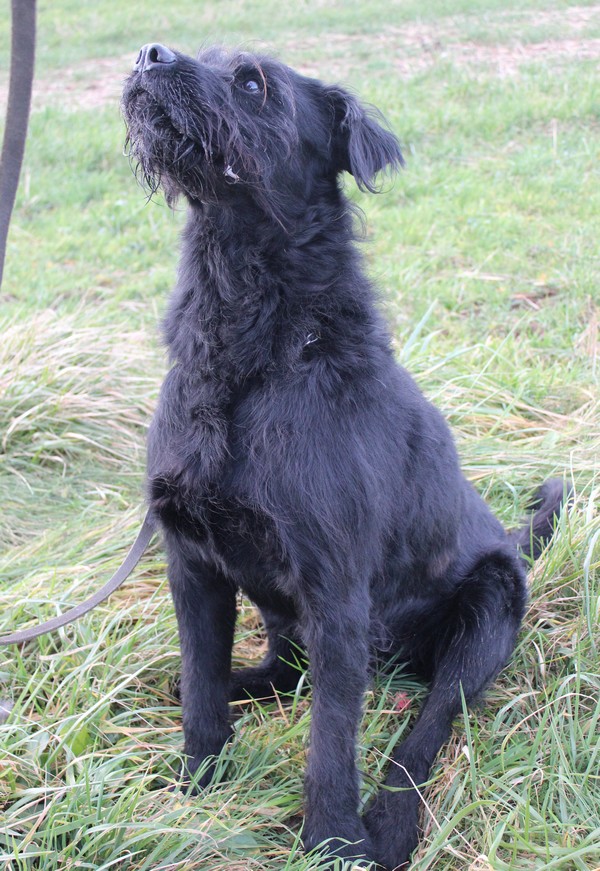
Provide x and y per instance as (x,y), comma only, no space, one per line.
(530,539)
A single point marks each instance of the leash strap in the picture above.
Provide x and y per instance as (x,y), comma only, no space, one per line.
(122,573)
(22,61)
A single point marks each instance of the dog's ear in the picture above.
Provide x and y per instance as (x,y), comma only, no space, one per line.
(361,144)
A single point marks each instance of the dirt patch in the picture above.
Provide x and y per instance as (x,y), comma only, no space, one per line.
(88,85)
(507,60)
(575,17)
(415,49)
(91,84)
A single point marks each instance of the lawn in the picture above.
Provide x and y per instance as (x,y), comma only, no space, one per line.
(486,253)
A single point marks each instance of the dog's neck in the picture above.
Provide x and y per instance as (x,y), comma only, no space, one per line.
(226,296)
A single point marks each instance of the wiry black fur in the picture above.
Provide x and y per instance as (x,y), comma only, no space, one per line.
(290,456)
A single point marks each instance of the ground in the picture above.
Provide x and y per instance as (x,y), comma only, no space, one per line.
(486,254)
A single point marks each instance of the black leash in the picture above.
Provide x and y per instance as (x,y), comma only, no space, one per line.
(122,573)
(22,59)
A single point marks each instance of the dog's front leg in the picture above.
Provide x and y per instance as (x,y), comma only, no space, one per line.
(336,635)
(205,608)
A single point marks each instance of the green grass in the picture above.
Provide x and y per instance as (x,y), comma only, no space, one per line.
(486,253)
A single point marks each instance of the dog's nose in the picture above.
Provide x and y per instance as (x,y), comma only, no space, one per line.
(153,55)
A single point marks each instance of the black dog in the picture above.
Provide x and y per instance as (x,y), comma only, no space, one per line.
(291,457)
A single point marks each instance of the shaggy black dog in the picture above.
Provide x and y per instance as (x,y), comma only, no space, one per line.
(290,456)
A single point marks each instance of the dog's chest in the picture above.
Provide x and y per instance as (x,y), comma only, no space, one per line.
(240,541)
(198,468)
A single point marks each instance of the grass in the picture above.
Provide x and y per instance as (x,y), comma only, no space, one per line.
(486,253)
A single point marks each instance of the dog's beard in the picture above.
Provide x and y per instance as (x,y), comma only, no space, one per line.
(162,155)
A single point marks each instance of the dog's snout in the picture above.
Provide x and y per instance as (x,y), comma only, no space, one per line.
(153,55)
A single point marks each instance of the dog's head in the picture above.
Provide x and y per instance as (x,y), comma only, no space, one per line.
(228,121)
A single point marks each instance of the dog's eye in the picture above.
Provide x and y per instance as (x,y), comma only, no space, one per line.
(251,86)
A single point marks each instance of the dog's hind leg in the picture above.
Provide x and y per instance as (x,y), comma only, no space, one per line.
(469,643)
(205,608)
(280,670)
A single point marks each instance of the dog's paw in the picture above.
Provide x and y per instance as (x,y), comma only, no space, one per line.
(200,771)
(195,781)
(251,683)
(263,683)
(353,845)
(391,820)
